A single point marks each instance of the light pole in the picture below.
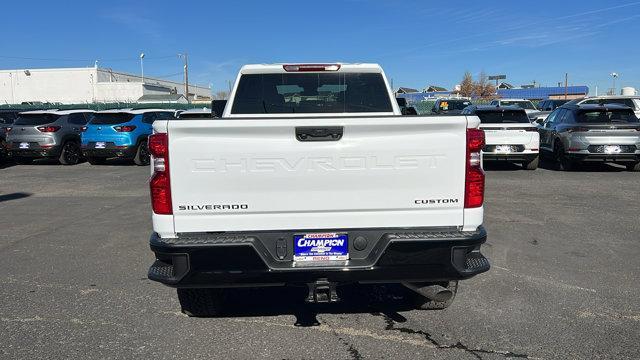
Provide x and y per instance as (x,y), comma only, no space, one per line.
(142,66)
(186,74)
(614,76)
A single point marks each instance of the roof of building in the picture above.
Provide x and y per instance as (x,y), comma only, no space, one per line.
(435,88)
(161,97)
(407,90)
(542,92)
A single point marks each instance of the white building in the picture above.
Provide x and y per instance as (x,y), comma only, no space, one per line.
(85,85)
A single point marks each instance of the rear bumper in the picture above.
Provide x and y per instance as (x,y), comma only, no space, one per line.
(35,151)
(110,151)
(266,259)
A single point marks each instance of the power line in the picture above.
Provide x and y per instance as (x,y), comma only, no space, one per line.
(133,58)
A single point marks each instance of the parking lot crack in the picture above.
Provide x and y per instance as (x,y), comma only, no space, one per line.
(476,352)
(353,352)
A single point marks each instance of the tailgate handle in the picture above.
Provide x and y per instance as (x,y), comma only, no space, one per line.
(327,133)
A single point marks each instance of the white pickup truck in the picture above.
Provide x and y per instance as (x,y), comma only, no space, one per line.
(312,177)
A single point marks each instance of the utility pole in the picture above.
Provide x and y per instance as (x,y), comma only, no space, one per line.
(185,56)
(566,85)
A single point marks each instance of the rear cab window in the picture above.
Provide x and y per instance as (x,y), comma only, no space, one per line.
(111,118)
(336,92)
(37,119)
(502,117)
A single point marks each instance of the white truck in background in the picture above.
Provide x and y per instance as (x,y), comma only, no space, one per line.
(312,177)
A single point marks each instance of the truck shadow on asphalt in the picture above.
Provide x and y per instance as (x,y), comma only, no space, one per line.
(354,299)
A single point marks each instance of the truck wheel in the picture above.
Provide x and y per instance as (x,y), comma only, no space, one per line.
(531,165)
(142,155)
(201,302)
(422,303)
(70,154)
(633,167)
(96,160)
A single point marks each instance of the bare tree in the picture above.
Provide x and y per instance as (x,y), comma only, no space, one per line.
(221,95)
(483,88)
(466,86)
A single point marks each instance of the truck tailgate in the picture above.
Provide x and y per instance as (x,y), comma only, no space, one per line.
(254,174)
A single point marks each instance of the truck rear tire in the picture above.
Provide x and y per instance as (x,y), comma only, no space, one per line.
(422,303)
(531,165)
(201,302)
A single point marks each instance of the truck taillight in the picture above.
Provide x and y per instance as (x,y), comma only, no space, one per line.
(474,177)
(311,67)
(160,183)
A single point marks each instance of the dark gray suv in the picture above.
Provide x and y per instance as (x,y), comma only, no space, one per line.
(573,134)
(47,134)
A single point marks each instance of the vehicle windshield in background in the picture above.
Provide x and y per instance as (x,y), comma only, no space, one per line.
(502,117)
(311,93)
(36,119)
(6,119)
(111,118)
(521,104)
(606,116)
(454,105)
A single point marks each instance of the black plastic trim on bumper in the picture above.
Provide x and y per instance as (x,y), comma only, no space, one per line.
(110,152)
(509,157)
(252,259)
(36,152)
(614,158)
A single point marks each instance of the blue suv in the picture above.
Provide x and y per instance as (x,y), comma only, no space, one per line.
(120,134)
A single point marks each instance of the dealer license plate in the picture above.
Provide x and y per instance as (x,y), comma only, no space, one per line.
(321,247)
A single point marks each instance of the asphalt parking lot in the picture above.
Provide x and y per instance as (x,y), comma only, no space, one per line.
(563,284)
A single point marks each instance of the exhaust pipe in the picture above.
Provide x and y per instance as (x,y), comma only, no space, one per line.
(432,292)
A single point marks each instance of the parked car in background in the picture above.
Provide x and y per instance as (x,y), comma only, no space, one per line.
(509,134)
(550,104)
(576,133)
(121,134)
(47,134)
(450,105)
(204,113)
(527,105)
(7,117)
(631,101)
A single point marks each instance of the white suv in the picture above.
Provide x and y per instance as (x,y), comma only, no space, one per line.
(631,101)
(526,105)
(509,135)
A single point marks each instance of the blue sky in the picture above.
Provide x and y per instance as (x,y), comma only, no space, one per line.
(417,42)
